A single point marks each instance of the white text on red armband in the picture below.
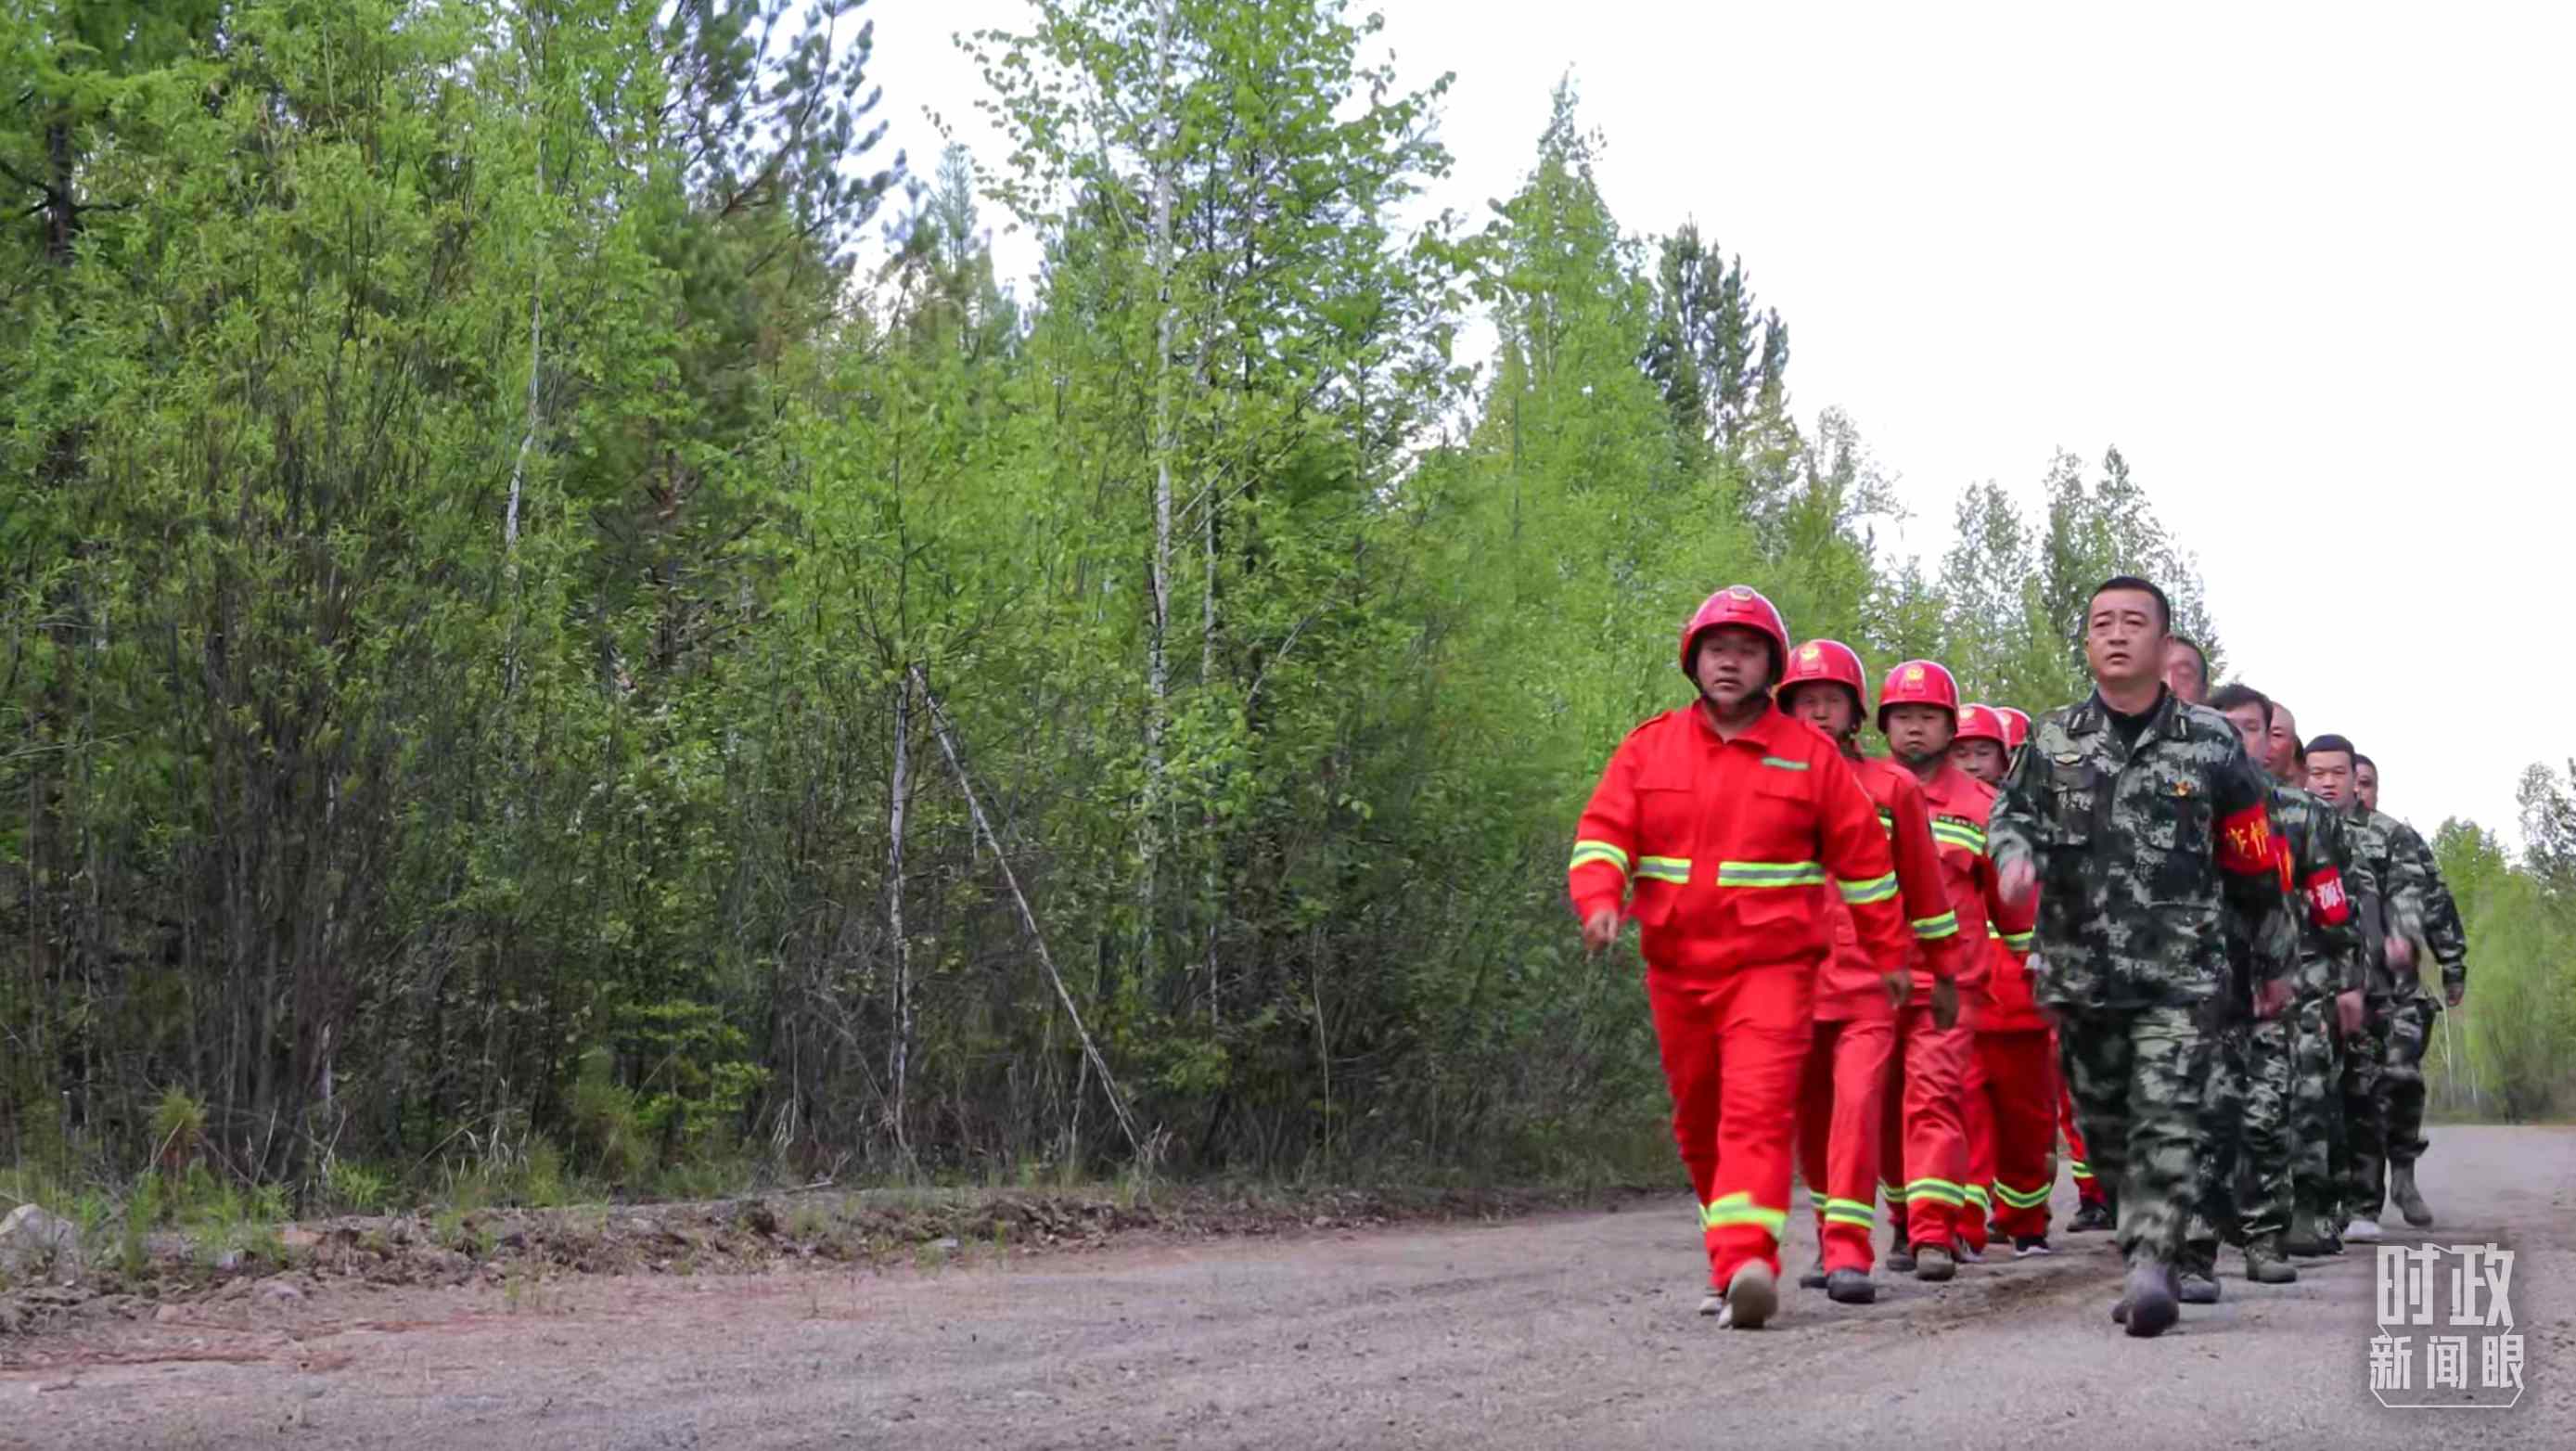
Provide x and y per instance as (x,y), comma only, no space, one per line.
(2327,904)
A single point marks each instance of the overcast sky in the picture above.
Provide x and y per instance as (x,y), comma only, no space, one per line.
(2308,267)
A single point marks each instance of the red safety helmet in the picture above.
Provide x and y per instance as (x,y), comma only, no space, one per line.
(1830,661)
(1918,682)
(1738,604)
(2016,726)
(1982,723)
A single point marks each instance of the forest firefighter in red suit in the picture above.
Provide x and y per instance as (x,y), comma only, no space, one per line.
(1934,1212)
(2016,1054)
(1840,1107)
(2092,1204)
(1711,826)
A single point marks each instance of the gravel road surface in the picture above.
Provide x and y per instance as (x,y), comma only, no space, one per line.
(1567,1330)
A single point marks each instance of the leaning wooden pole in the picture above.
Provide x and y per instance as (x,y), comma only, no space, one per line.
(984,828)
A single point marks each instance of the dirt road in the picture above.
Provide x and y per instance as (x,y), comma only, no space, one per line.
(1572,1330)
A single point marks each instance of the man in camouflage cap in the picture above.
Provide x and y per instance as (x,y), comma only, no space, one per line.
(2143,825)
(2264,1143)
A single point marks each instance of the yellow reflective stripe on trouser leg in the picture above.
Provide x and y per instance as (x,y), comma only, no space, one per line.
(1771,874)
(1734,1209)
(2020,1198)
(1977,1195)
(1851,1211)
(1875,889)
(1939,1191)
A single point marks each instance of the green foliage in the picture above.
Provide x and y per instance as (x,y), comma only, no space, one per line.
(511,632)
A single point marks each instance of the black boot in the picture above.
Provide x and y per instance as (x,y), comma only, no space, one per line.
(2410,1202)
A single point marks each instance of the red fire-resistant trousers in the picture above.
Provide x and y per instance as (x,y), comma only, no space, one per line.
(1839,1113)
(2021,1091)
(1977,1119)
(1923,1147)
(1734,1048)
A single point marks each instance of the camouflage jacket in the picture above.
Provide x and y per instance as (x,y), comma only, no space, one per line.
(2337,893)
(2141,852)
(2443,931)
(2402,893)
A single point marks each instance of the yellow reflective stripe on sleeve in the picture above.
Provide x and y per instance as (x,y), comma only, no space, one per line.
(1740,1209)
(2018,941)
(1959,834)
(1772,874)
(2080,1169)
(1673,869)
(1598,851)
(1887,822)
(1876,889)
(1933,929)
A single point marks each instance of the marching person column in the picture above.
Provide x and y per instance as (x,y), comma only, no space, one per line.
(1841,1104)
(1710,826)
(2141,823)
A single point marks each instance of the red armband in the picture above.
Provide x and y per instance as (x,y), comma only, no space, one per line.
(2327,905)
(2245,843)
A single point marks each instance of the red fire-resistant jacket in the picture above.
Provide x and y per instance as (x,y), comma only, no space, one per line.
(1721,841)
(1851,985)
(1960,805)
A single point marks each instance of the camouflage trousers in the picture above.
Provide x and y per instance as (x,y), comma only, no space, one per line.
(2316,1109)
(2136,1075)
(2365,1116)
(2401,1078)
(2243,1186)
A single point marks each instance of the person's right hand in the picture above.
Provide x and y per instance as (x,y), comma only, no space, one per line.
(2348,1011)
(1945,1003)
(1600,930)
(1900,986)
(2015,881)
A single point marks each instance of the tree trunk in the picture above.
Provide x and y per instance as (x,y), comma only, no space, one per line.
(900,1069)
(1157,669)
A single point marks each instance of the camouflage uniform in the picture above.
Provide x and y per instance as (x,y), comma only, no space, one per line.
(2401,879)
(2410,1019)
(2140,851)
(2253,1144)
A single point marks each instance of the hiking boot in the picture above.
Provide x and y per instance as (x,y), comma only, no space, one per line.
(1851,1287)
(2090,1219)
(2410,1202)
(2303,1244)
(1933,1263)
(1750,1298)
(2027,1245)
(2149,1307)
(2361,1231)
(1900,1259)
(1815,1280)
(2198,1287)
(2264,1264)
